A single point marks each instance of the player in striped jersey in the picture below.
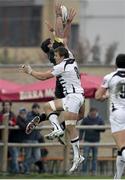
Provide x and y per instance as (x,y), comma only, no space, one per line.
(67,71)
(60,36)
(115,84)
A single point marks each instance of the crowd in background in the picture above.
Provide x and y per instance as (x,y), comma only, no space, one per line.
(32,155)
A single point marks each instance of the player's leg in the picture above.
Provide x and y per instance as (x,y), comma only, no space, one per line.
(80,115)
(119,138)
(43,117)
(70,122)
(71,105)
(120,160)
(50,109)
(118,132)
(35,122)
(120,166)
(81,112)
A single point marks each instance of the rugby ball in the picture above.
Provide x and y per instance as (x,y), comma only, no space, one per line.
(64,14)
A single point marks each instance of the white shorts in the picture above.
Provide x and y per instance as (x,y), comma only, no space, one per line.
(117,120)
(73,102)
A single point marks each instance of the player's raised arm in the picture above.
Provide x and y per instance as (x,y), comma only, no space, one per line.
(58,29)
(67,28)
(50,28)
(36,74)
(59,24)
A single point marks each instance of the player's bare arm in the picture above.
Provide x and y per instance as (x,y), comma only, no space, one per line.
(58,30)
(67,28)
(64,33)
(50,28)
(36,74)
(59,24)
(101,94)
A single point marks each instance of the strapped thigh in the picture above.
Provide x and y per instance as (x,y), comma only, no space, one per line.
(52,105)
(70,122)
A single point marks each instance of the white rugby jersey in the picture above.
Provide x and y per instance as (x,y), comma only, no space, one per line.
(115,83)
(70,54)
(68,74)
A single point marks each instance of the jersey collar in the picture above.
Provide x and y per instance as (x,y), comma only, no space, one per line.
(120,69)
(66,59)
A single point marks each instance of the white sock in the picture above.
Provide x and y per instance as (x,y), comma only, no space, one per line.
(120,165)
(53,118)
(75,146)
(123,154)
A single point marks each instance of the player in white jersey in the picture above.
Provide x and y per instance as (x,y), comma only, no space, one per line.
(115,84)
(67,71)
(60,36)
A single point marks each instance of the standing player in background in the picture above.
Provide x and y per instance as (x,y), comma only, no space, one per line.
(67,71)
(115,84)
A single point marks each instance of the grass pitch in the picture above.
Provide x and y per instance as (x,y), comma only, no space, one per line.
(50,176)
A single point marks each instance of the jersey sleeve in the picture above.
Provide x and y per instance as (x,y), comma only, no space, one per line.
(58,69)
(106,80)
(70,54)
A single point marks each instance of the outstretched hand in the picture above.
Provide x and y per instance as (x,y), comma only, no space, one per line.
(72,13)
(49,26)
(25,68)
(58,10)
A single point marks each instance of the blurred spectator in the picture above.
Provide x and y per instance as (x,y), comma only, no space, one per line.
(110,52)
(6,108)
(96,51)
(91,136)
(13,151)
(44,153)
(32,154)
(21,122)
(16,136)
(83,51)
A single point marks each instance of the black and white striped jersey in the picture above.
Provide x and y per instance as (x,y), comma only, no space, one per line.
(115,83)
(68,74)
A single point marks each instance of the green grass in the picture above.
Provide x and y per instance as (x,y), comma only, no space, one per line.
(48,176)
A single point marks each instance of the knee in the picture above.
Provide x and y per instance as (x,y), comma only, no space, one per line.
(70,125)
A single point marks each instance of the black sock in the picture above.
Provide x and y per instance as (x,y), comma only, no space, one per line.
(43,117)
